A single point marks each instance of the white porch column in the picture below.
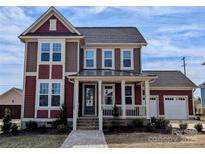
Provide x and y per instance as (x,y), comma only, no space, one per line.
(123,99)
(75,104)
(147,98)
(100,116)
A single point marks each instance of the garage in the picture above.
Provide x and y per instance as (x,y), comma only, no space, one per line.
(153,105)
(175,107)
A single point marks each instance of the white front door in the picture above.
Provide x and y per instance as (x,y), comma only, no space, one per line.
(175,107)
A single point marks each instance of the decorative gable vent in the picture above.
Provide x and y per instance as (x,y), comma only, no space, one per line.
(52,26)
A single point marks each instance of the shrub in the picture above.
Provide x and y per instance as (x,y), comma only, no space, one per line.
(138,123)
(62,128)
(198,127)
(153,120)
(14,129)
(161,123)
(183,126)
(31,125)
(62,117)
(197,118)
(7,121)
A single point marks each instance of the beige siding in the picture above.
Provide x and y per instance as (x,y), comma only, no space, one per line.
(99,58)
(31,62)
(71,62)
(117,58)
(137,60)
(11,98)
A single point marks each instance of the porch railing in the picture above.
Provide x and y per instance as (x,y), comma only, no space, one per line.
(131,111)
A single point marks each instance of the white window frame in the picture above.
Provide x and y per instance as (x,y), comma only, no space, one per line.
(132,59)
(51,42)
(43,94)
(56,51)
(103,59)
(55,94)
(49,93)
(94,59)
(52,24)
(113,87)
(133,95)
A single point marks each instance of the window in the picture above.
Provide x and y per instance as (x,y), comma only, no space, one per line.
(127,59)
(56,51)
(43,98)
(50,94)
(52,26)
(55,98)
(90,59)
(129,98)
(45,51)
(108,94)
(107,59)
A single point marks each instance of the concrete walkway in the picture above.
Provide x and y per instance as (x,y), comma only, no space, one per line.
(85,139)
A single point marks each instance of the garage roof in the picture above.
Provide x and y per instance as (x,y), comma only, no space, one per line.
(170,79)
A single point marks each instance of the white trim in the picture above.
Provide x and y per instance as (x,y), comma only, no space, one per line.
(147,98)
(176,96)
(100,112)
(103,59)
(121,59)
(52,24)
(103,96)
(133,94)
(171,88)
(123,99)
(83,99)
(94,58)
(59,16)
(31,73)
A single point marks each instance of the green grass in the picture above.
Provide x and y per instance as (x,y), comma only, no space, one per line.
(32,141)
(202,118)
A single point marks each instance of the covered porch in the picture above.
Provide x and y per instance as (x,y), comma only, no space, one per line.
(108,96)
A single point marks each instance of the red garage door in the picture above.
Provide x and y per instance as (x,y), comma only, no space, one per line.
(15,111)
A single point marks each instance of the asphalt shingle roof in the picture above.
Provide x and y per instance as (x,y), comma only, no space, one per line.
(170,79)
(111,35)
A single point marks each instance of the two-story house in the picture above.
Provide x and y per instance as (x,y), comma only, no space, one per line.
(95,71)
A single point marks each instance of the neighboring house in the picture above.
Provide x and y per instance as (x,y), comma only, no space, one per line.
(92,70)
(202,86)
(197,106)
(12,99)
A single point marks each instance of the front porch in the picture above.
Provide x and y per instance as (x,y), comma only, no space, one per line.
(108,97)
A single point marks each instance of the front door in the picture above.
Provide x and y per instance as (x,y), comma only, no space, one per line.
(89,102)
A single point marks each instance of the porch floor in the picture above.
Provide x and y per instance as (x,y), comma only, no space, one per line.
(85,139)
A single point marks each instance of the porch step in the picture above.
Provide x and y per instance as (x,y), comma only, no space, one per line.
(87,123)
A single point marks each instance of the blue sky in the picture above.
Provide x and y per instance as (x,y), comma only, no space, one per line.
(171,33)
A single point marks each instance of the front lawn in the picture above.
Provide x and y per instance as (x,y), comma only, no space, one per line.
(32,140)
(153,140)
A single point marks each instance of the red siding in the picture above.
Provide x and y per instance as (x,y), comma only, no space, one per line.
(118,93)
(42,114)
(30,92)
(161,93)
(138,95)
(57,71)
(55,113)
(59,26)
(44,71)
(69,98)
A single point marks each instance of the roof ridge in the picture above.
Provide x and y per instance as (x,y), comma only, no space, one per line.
(107,27)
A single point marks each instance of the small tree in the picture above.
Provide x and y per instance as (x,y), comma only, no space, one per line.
(6,121)
(62,117)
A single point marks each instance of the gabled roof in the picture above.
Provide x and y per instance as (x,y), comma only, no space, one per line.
(51,11)
(112,35)
(19,91)
(172,78)
(203,63)
(202,85)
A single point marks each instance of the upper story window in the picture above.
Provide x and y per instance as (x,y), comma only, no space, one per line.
(56,51)
(90,59)
(52,25)
(51,51)
(127,59)
(108,58)
(129,94)
(45,51)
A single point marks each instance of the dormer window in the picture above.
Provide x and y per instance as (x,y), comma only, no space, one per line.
(52,26)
